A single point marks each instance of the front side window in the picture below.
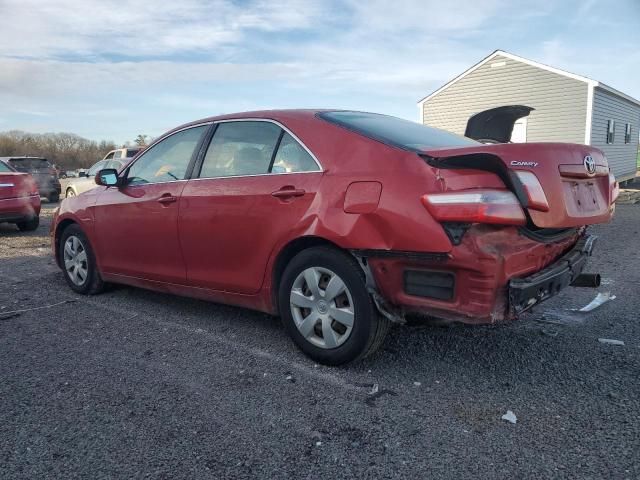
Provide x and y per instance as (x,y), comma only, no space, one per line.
(109,156)
(240,148)
(168,160)
(4,167)
(292,157)
(96,168)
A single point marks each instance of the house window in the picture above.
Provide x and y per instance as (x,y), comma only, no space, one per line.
(627,133)
(611,131)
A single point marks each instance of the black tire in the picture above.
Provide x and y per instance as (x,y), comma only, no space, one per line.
(69,193)
(29,225)
(369,327)
(53,197)
(92,283)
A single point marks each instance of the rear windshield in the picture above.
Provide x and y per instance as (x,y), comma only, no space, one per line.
(396,131)
(29,164)
(4,167)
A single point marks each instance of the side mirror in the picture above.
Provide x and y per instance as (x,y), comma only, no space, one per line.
(107,177)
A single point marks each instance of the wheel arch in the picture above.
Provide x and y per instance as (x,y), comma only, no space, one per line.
(285,255)
(61,227)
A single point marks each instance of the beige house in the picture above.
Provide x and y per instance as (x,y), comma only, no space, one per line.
(568,107)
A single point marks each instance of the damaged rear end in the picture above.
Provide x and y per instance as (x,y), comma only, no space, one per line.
(517,217)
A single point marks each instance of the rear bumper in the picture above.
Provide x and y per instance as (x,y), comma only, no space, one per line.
(479,279)
(19,209)
(526,292)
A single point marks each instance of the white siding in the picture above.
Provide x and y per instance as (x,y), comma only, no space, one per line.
(607,106)
(560,102)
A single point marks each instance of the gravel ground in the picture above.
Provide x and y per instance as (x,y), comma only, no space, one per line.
(138,384)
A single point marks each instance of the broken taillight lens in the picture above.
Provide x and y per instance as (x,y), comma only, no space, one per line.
(475,206)
(614,188)
(536,199)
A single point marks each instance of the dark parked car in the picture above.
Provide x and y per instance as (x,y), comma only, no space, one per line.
(341,222)
(42,171)
(19,198)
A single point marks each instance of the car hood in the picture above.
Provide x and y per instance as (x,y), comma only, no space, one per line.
(496,124)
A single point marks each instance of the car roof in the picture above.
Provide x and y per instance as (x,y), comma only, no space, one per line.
(277,115)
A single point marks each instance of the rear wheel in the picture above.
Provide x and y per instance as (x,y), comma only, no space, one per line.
(326,308)
(78,262)
(29,225)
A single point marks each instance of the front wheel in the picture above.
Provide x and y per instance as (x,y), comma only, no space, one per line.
(326,308)
(70,193)
(78,262)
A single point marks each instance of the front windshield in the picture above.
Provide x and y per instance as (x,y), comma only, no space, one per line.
(4,167)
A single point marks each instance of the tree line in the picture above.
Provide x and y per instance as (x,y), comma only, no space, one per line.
(66,150)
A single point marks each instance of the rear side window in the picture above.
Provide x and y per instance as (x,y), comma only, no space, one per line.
(167,160)
(240,148)
(396,131)
(292,157)
(5,168)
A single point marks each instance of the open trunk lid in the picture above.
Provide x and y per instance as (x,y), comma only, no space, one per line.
(575,178)
(496,124)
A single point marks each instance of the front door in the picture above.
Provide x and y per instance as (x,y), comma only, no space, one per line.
(256,183)
(136,225)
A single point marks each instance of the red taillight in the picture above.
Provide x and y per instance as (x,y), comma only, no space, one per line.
(614,188)
(475,206)
(536,199)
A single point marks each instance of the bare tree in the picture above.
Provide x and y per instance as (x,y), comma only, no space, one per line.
(67,150)
(141,140)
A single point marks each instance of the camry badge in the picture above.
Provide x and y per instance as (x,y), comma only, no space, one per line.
(590,164)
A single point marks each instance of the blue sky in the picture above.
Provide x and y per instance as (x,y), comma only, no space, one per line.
(114,69)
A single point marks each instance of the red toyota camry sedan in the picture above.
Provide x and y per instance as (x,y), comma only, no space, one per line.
(341,222)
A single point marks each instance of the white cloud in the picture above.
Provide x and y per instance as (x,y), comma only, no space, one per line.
(34,28)
(64,57)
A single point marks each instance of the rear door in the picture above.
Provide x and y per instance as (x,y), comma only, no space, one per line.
(136,225)
(256,182)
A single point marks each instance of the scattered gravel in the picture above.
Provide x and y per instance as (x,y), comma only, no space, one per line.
(132,384)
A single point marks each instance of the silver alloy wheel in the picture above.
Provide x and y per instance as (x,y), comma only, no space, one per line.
(70,193)
(75,260)
(322,307)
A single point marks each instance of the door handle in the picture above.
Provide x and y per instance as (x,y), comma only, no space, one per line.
(167,198)
(288,192)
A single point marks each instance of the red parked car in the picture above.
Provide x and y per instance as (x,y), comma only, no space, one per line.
(341,222)
(19,198)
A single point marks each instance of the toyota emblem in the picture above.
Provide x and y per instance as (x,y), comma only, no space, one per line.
(590,164)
